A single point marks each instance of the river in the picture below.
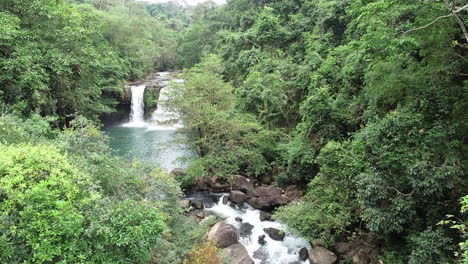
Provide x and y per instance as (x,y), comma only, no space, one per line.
(152,141)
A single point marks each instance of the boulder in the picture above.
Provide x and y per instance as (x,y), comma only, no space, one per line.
(241,183)
(225,199)
(245,229)
(185,203)
(321,255)
(212,184)
(197,205)
(238,219)
(237,196)
(274,233)
(266,197)
(236,254)
(261,240)
(223,235)
(178,172)
(264,216)
(303,254)
(342,247)
(209,219)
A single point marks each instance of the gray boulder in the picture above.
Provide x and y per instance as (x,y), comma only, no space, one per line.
(266,197)
(245,229)
(274,233)
(237,196)
(241,183)
(236,254)
(223,235)
(321,255)
(264,216)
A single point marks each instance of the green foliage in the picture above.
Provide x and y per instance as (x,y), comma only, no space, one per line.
(66,199)
(328,209)
(228,142)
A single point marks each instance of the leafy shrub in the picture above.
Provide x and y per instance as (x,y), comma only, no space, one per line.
(205,253)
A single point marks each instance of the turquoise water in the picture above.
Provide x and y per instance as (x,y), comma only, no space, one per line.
(156,147)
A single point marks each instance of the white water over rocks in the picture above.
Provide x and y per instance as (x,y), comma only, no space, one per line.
(272,252)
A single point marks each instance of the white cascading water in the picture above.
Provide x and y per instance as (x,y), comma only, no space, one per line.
(137,112)
(163,118)
(272,252)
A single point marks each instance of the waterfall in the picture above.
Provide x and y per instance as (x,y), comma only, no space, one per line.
(162,115)
(138,104)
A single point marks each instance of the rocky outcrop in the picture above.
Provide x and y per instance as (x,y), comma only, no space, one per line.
(236,254)
(321,255)
(223,235)
(274,233)
(212,184)
(237,196)
(241,183)
(266,197)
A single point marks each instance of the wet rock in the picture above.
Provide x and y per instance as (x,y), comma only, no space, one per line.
(178,172)
(236,254)
(261,254)
(197,205)
(321,255)
(238,219)
(237,196)
(185,203)
(241,183)
(267,197)
(245,229)
(225,199)
(303,254)
(264,216)
(261,240)
(223,234)
(274,233)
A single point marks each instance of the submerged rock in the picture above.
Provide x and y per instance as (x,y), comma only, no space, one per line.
(321,255)
(236,254)
(261,254)
(274,233)
(223,234)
